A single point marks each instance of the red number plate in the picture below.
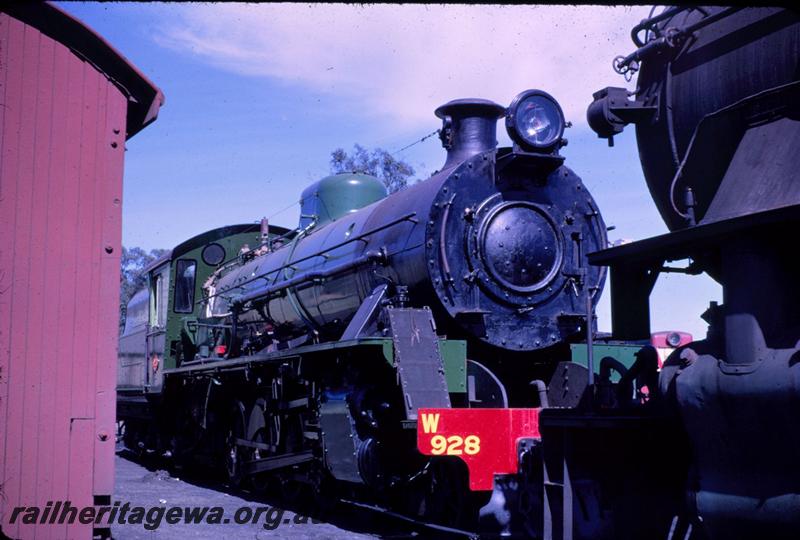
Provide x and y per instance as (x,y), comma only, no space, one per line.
(485,439)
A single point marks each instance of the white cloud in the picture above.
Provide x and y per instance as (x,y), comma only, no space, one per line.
(402,61)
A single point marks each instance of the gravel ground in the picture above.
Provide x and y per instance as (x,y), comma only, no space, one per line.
(139,486)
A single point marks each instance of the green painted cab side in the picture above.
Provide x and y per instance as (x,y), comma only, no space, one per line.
(192,250)
(454,356)
(622,352)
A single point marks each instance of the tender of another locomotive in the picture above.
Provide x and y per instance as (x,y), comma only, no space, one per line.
(716,116)
(312,353)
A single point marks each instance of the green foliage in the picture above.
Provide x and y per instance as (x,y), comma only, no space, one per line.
(395,173)
(131,277)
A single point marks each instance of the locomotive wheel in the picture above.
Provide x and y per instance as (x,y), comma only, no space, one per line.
(233,462)
(290,488)
(446,496)
(263,430)
(323,490)
(134,439)
(260,482)
(129,439)
(234,457)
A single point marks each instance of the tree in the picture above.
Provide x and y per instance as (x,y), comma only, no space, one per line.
(395,173)
(131,277)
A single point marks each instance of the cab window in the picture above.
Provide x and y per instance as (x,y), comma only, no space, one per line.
(185,271)
(156,296)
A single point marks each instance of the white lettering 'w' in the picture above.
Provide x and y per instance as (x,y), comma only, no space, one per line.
(430,423)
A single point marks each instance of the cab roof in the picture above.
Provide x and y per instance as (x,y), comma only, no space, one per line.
(210,236)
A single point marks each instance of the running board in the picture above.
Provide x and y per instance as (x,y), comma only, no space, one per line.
(277,462)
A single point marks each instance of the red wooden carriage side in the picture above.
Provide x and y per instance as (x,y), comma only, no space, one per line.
(68,102)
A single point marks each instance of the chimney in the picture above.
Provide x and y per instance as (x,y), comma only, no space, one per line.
(469,127)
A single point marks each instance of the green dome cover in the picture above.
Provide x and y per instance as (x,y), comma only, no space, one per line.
(338,195)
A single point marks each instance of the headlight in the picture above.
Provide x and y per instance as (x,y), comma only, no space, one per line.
(535,121)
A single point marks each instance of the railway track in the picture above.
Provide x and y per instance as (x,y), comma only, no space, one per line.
(354,516)
(431,530)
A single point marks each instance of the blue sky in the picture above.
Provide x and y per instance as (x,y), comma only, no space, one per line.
(257,96)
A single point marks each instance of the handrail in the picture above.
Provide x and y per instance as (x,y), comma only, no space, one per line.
(312,276)
(645,24)
(406,217)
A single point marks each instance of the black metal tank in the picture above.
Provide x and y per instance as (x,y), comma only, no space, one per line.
(494,243)
(717,116)
(695,62)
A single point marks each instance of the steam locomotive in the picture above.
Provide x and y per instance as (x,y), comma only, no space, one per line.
(309,352)
(441,340)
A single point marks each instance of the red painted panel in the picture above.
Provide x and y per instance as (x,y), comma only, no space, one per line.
(16,196)
(62,130)
(105,404)
(80,460)
(34,475)
(7,192)
(50,454)
(67,123)
(83,343)
(659,339)
(484,439)
(4,32)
